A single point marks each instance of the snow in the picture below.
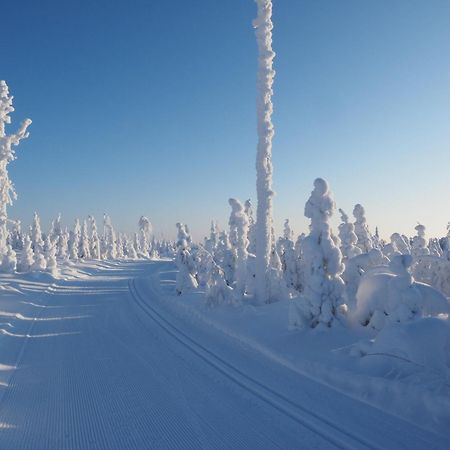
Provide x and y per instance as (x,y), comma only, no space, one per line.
(108,356)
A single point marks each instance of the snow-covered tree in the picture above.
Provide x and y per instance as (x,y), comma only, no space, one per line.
(74,241)
(145,232)
(186,275)
(63,245)
(266,73)
(50,256)
(361,229)
(16,237)
(7,154)
(26,260)
(348,237)
(36,235)
(323,261)
(9,261)
(239,231)
(110,238)
(94,241)
(84,249)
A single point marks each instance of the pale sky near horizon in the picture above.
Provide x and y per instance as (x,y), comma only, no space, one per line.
(148,107)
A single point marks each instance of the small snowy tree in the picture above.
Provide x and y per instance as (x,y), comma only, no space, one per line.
(348,237)
(361,229)
(145,232)
(9,261)
(16,236)
(63,245)
(186,279)
(26,260)
(94,241)
(50,256)
(36,235)
(7,154)
(323,261)
(84,249)
(110,238)
(239,230)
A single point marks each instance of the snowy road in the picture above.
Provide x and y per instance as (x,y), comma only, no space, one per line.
(103,364)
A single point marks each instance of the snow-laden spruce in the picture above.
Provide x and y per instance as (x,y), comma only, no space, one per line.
(322,299)
(348,237)
(239,225)
(186,280)
(361,229)
(7,154)
(263,25)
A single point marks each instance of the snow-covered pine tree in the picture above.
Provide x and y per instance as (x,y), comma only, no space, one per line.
(36,235)
(348,237)
(239,231)
(94,240)
(26,260)
(7,154)
(84,249)
(266,73)
(361,229)
(323,261)
(145,232)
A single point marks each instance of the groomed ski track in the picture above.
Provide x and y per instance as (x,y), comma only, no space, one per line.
(104,362)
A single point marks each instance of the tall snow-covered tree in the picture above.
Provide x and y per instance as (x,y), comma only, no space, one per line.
(7,154)
(84,249)
(266,73)
(110,238)
(323,261)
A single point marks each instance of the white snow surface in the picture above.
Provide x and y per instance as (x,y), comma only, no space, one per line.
(109,357)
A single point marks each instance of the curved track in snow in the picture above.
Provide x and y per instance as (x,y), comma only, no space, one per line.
(102,363)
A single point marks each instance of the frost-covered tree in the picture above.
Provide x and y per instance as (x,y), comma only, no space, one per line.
(9,261)
(7,154)
(130,250)
(239,231)
(26,260)
(323,261)
(361,229)
(63,245)
(74,241)
(401,243)
(348,237)
(251,227)
(50,256)
(94,240)
(84,249)
(16,238)
(36,235)
(145,232)
(110,238)
(186,275)
(266,73)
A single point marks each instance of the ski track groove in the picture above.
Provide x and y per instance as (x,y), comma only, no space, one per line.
(263,392)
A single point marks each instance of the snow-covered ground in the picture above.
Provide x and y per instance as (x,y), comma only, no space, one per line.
(109,357)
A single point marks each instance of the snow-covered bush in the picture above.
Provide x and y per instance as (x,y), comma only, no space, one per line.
(323,292)
(384,298)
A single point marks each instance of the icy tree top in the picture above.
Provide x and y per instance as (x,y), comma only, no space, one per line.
(319,207)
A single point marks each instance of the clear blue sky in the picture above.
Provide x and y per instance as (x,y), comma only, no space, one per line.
(148,107)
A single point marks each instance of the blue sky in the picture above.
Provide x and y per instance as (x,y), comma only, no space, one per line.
(148,107)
